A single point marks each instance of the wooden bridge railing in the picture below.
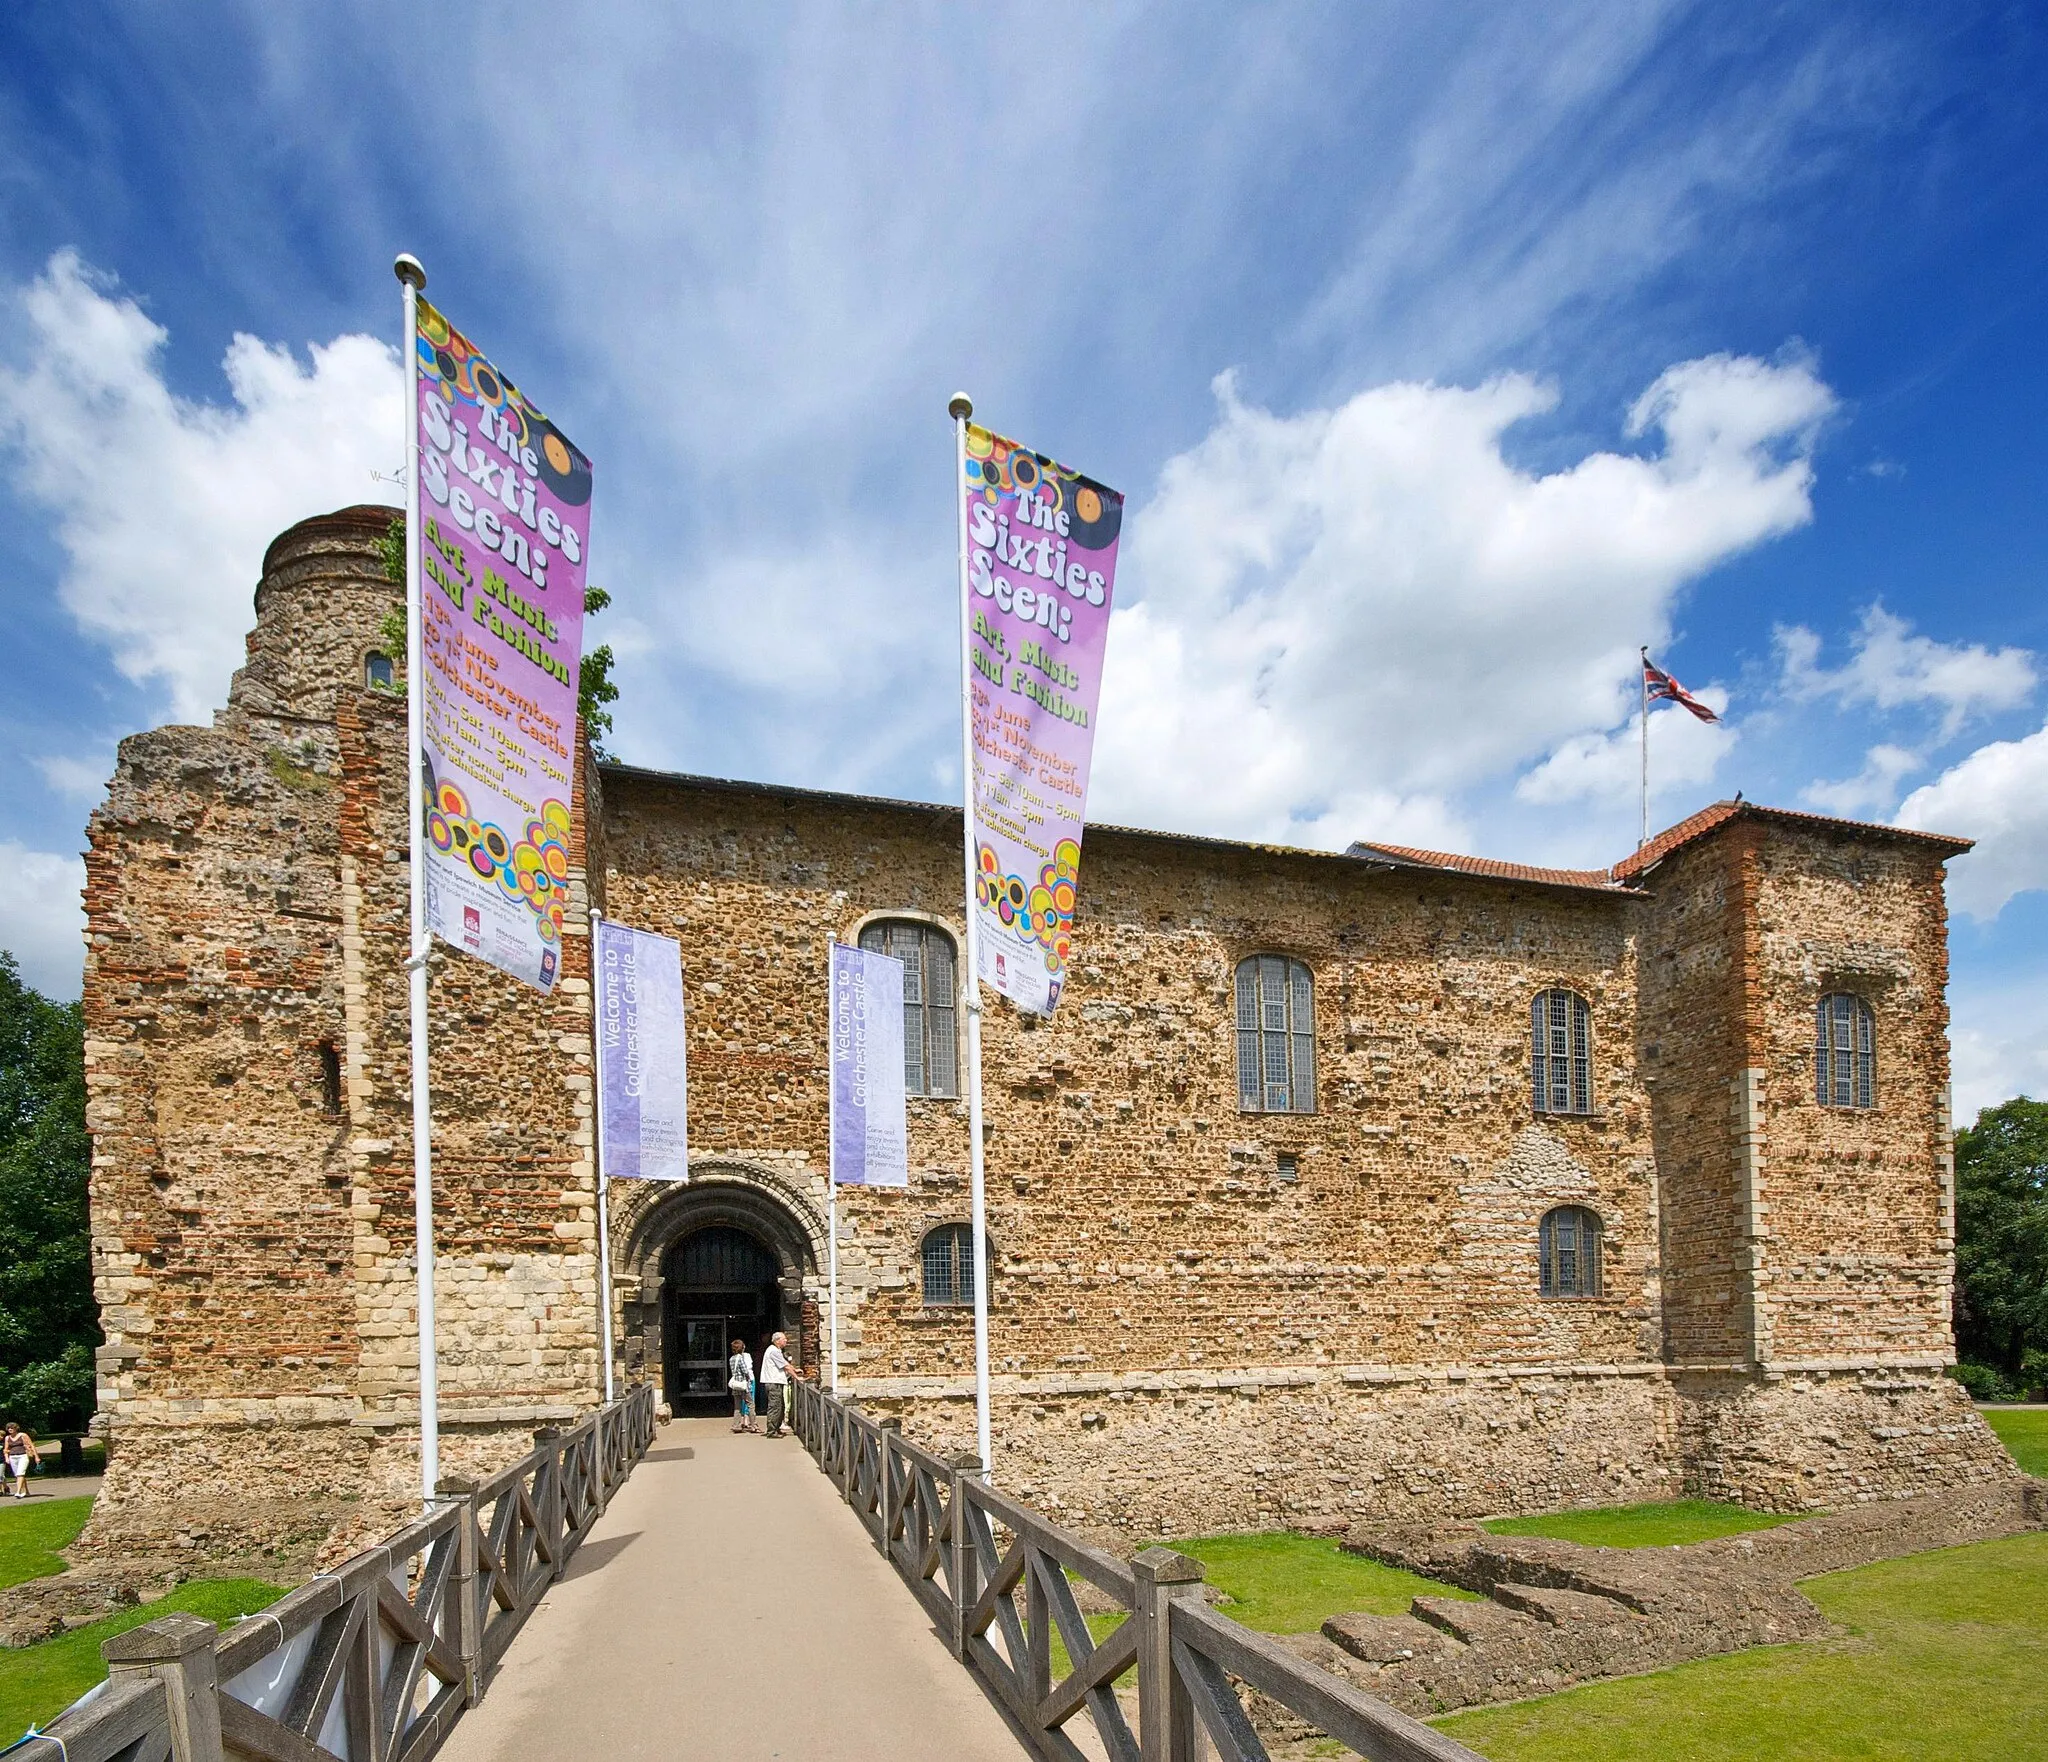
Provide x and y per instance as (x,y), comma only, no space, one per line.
(971,1554)
(376,1660)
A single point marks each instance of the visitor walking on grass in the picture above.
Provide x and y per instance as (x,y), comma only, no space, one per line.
(20,1450)
(775,1383)
(739,1378)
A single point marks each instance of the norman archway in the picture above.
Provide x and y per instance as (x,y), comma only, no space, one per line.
(730,1250)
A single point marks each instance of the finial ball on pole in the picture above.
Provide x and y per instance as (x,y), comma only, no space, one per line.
(960,406)
(408,269)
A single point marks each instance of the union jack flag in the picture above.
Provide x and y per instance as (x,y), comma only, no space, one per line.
(1659,684)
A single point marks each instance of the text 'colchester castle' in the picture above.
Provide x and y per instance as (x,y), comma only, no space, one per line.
(1384,1182)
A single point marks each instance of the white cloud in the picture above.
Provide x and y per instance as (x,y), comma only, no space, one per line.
(1684,753)
(1890,668)
(1871,790)
(1368,609)
(45,927)
(80,779)
(163,506)
(1998,1045)
(1998,796)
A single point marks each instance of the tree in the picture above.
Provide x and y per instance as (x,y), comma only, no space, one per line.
(49,1323)
(2002,1236)
(594,687)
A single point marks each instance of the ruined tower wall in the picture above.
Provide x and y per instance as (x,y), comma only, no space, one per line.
(250,1105)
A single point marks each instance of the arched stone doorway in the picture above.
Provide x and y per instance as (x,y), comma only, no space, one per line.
(719,1284)
(736,1251)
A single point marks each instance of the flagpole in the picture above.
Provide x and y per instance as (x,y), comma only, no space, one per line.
(832,1156)
(1643,676)
(604,1222)
(960,407)
(413,279)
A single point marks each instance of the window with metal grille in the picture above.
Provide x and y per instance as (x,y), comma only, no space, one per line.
(930,1058)
(1569,1243)
(948,1256)
(1276,1035)
(377,671)
(1561,1052)
(1845,1052)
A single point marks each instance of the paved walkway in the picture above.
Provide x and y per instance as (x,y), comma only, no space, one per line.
(728,1605)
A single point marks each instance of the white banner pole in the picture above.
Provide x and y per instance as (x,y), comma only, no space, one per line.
(1643,674)
(832,1158)
(604,1222)
(413,279)
(960,408)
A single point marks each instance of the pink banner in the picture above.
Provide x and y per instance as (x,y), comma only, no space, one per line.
(504,503)
(1041,565)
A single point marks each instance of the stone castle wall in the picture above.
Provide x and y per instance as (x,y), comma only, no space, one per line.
(1201,1317)
(249,1098)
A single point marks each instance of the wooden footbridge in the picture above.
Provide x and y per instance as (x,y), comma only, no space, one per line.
(691,1592)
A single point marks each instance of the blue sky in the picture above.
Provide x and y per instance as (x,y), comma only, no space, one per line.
(1446,354)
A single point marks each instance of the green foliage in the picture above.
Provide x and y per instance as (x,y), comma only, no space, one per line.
(391,548)
(2002,1238)
(49,1323)
(596,689)
(1662,1524)
(1985,1382)
(2024,1432)
(1282,1583)
(32,1532)
(39,1682)
(1942,1658)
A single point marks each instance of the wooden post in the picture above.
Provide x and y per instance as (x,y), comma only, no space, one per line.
(178,1651)
(549,1478)
(889,1429)
(469,1635)
(1166,1717)
(966,1470)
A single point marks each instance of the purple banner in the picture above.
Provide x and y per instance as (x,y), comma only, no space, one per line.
(642,1077)
(1041,567)
(504,503)
(870,1141)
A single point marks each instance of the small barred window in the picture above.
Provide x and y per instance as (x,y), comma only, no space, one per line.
(1276,1035)
(928,1001)
(1569,1243)
(1845,1052)
(1561,1052)
(377,671)
(948,1256)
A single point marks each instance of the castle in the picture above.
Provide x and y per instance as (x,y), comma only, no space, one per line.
(1388,1181)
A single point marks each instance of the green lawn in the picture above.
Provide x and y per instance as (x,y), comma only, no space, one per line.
(1288,1584)
(1943,1658)
(2023,1431)
(31,1532)
(1658,1525)
(39,1682)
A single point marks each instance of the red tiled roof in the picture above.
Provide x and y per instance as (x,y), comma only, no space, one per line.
(1488,866)
(1708,819)
(1632,868)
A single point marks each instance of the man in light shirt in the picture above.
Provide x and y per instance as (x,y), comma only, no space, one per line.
(775,1384)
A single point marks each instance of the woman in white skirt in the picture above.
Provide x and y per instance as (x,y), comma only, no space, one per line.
(19,1450)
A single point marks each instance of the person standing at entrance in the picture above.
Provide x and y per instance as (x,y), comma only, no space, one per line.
(739,1378)
(775,1384)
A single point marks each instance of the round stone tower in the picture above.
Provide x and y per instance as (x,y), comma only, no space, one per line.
(319,611)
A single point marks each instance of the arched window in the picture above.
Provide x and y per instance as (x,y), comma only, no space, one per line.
(1569,1243)
(1561,1052)
(948,1257)
(1276,1035)
(377,672)
(1845,1052)
(929,1060)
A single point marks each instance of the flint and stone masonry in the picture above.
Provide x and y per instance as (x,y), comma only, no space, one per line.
(1201,1317)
